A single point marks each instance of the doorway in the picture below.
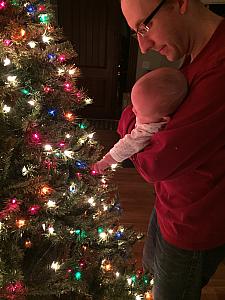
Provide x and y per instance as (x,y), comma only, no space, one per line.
(106,54)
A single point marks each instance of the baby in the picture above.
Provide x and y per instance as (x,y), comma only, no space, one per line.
(154,96)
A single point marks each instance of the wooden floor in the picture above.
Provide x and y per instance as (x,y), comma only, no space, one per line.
(137,199)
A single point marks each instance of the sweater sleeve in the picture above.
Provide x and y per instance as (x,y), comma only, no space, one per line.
(195,133)
(135,141)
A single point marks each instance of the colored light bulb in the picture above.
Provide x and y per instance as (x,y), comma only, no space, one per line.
(68,86)
(62,58)
(2,5)
(44,18)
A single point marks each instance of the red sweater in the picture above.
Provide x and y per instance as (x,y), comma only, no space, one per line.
(186,160)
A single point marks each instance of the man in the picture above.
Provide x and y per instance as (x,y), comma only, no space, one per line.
(185,161)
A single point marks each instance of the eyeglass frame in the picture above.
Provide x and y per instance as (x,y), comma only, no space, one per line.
(143,27)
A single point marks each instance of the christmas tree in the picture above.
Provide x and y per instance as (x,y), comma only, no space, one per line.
(59,220)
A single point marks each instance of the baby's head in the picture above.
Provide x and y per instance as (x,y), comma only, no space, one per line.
(158,94)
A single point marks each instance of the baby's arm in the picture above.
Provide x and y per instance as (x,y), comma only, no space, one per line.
(128,145)
(137,140)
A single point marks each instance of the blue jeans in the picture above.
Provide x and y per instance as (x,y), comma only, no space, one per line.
(178,274)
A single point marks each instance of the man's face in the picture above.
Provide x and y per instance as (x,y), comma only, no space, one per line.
(166,35)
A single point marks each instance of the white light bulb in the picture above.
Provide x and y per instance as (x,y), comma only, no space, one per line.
(88,100)
(61,71)
(6,61)
(46,39)
(91,201)
(113,167)
(48,147)
(11,78)
(6,109)
(32,44)
(51,230)
(51,204)
(68,153)
(103,236)
(68,136)
(55,266)
(91,135)
(32,102)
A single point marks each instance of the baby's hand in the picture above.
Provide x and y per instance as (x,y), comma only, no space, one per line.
(103,164)
(100,166)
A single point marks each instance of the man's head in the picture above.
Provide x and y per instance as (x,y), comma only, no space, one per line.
(158,94)
(177,28)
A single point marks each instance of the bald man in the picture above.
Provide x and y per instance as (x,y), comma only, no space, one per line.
(185,161)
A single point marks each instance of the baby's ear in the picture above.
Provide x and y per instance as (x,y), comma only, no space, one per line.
(166,119)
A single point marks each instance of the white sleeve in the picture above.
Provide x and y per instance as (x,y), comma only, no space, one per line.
(137,140)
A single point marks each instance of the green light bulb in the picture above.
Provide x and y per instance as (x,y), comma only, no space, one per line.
(44,18)
(25,92)
(100,229)
(77,275)
(82,126)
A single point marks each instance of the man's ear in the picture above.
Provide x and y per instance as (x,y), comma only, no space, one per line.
(183,4)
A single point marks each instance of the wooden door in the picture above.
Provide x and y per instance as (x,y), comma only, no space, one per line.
(95,28)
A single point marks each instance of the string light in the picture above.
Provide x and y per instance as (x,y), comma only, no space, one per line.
(72,71)
(28,244)
(91,135)
(148,296)
(88,101)
(35,137)
(51,204)
(61,71)
(69,153)
(51,230)
(62,58)
(113,167)
(106,265)
(78,275)
(31,102)
(69,116)
(91,201)
(41,8)
(139,297)
(48,148)
(25,91)
(20,223)
(68,136)
(55,266)
(45,190)
(46,39)
(34,209)
(6,109)
(6,62)
(31,9)
(7,42)
(12,80)
(73,188)
(44,18)
(32,44)
(48,89)
(68,87)
(2,5)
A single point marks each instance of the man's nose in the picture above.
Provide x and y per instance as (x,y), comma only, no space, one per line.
(145,44)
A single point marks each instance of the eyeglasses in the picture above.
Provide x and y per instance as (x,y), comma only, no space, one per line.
(144,27)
